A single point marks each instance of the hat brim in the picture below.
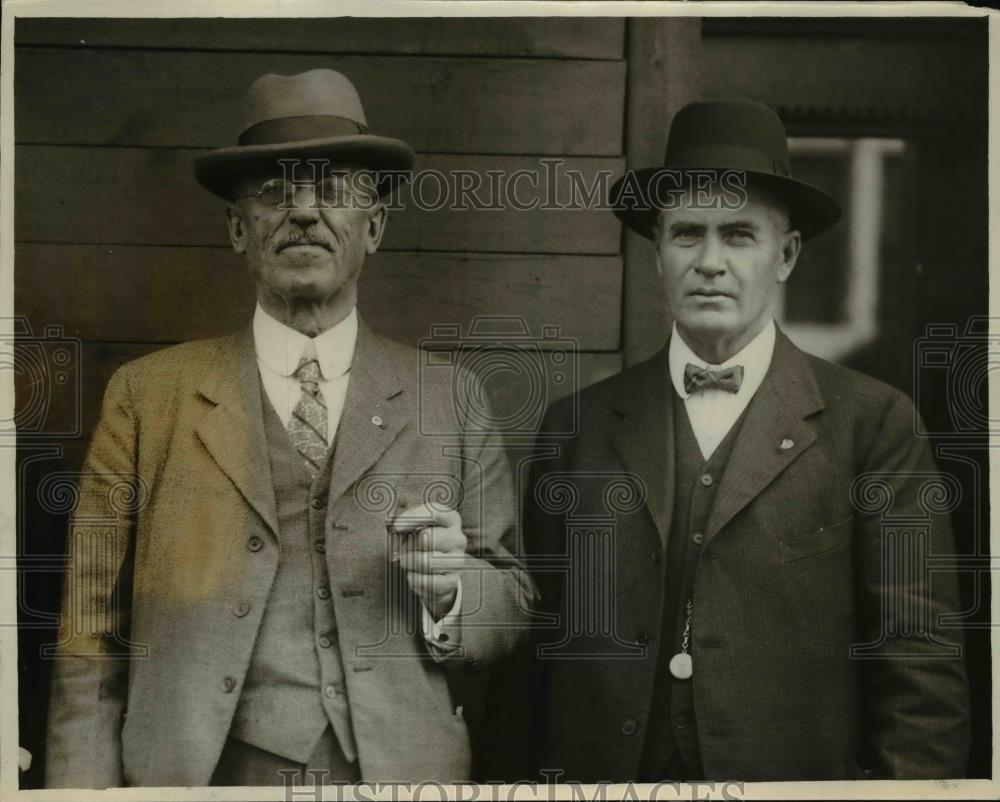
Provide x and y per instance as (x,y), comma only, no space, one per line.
(811,211)
(219,170)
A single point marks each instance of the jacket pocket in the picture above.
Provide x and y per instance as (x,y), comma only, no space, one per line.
(824,539)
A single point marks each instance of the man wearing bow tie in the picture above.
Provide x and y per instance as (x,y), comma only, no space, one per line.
(275,576)
(749,602)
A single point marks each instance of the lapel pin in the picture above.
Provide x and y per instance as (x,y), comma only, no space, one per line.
(786,444)
(377,420)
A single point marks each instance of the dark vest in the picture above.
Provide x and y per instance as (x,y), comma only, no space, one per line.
(295,685)
(672,725)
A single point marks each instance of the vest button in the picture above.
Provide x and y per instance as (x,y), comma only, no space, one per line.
(655,557)
(320,547)
(240,609)
(323,593)
(325,642)
(642,638)
(318,502)
(228,684)
(706,480)
(680,721)
(630,726)
(697,538)
(254,543)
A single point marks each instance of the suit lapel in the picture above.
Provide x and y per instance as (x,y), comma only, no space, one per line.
(773,433)
(644,438)
(371,419)
(233,430)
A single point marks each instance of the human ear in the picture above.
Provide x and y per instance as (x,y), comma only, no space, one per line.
(791,247)
(375,228)
(237,228)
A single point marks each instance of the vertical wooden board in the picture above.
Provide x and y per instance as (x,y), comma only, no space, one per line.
(437,104)
(554,37)
(664,74)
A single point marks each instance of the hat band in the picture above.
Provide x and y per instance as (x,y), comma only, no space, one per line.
(729,157)
(294,129)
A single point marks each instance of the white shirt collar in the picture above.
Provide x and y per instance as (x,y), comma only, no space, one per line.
(280,347)
(755,357)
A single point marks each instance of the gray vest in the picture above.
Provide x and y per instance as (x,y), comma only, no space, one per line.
(295,684)
(672,723)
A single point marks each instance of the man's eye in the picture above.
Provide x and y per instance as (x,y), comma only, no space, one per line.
(685,237)
(741,236)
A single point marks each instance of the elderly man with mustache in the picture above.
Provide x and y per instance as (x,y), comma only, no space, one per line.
(293,581)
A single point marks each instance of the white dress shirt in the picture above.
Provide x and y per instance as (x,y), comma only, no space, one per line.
(279,349)
(713,412)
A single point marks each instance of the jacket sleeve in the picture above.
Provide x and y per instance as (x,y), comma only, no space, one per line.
(498,595)
(915,705)
(90,672)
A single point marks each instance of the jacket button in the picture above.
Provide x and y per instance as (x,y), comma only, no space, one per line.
(325,642)
(697,538)
(330,691)
(706,480)
(254,543)
(228,684)
(320,547)
(323,593)
(680,721)
(655,556)
(471,662)
(240,609)
(642,638)
(318,502)
(629,726)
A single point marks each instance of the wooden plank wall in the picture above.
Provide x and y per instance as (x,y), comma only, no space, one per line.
(117,243)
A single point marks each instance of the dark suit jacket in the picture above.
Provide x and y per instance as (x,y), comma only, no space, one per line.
(800,563)
(176,525)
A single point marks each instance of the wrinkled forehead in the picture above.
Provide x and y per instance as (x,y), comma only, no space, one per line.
(718,202)
(297,170)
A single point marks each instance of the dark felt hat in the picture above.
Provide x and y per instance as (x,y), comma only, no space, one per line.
(724,135)
(313,115)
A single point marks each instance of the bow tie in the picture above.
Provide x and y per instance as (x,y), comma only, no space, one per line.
(697,379)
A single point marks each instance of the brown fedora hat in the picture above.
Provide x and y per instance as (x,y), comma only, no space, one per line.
(316,114)
(725,135)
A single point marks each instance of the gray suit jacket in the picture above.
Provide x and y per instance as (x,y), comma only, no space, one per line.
(176,525)
(800,563)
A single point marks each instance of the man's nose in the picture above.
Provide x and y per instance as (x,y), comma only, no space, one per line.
(305,208)
(711,261)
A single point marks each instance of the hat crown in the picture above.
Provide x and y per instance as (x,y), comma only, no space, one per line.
(316,92)
(728,134)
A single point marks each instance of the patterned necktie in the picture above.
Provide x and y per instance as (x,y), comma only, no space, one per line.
(697,379)
(307,427)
